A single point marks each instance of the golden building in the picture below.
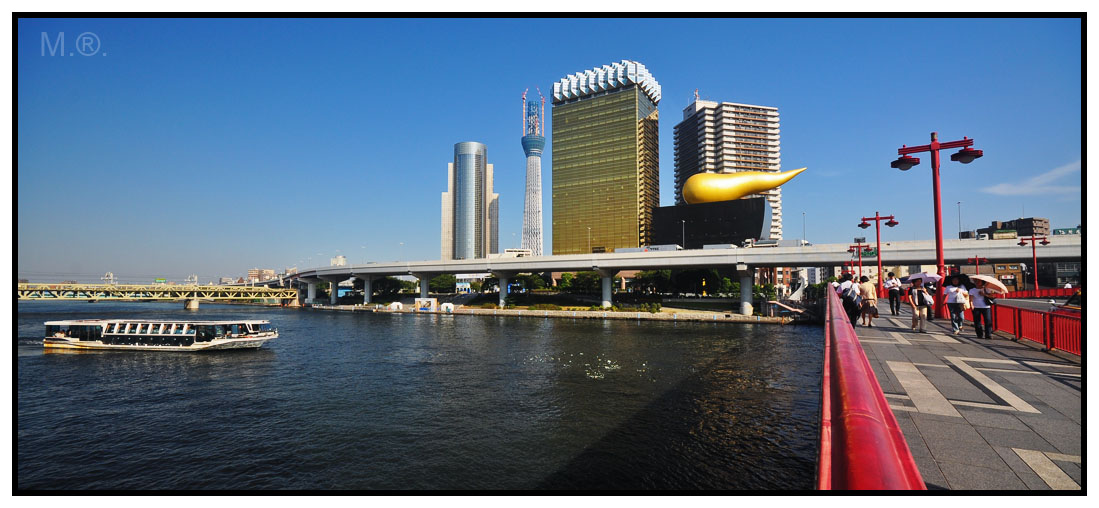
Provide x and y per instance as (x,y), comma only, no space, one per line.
(605,159)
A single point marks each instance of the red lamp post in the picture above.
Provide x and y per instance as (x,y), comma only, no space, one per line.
(977,263)
(1034,253)
(857,247)
(904,163)
(877,226)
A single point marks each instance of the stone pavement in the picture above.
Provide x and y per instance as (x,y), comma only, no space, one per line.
(979,414)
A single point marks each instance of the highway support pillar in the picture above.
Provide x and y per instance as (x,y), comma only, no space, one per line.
(425,282)
(745,288)
(311,293)
(503,291)
(607,278)
(368,289)
(333,291)
(191,304)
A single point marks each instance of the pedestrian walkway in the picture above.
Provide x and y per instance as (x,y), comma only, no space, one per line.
(979,414)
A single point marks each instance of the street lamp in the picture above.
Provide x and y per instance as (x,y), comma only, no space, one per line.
(891,222)
(977,263)
(858,247)
(1034,253)
(905,162)
(683,232)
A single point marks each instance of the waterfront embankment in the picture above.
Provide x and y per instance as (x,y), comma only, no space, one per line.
(720,317)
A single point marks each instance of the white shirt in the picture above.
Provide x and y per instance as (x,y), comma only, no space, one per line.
(978,299)
(893,283)
(845,285)
(952,293)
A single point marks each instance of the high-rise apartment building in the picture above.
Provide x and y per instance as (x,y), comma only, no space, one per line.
(605,159)
(728,137)
(470,209)
(534,141)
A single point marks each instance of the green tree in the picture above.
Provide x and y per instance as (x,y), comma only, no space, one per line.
(444,283)
(566,281)
(586,282)
(475,286)
(490,283)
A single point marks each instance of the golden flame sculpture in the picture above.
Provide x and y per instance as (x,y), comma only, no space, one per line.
(711,187)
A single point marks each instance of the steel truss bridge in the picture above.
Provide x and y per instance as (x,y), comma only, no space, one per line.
(154,293)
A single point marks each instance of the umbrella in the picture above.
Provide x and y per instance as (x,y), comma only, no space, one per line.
(994,284)
(924,276)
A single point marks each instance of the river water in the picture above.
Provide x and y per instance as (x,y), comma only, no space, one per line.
(396,401)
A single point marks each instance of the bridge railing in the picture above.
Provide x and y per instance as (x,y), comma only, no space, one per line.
(1053,331)
(1041,293)
(861,444)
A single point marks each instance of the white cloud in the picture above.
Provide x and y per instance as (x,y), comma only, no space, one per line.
(1041,184)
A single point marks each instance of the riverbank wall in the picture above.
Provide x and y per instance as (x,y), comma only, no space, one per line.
(716,317)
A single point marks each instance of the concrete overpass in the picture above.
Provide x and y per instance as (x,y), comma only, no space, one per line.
(744,260)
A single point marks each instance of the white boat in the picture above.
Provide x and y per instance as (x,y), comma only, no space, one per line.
(141,335)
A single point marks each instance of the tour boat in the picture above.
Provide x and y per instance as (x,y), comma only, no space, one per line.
(142,335)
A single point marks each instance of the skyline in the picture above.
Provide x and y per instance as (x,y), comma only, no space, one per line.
(215,146)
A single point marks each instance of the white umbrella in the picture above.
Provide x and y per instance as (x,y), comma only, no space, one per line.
(924,276)
(995,284)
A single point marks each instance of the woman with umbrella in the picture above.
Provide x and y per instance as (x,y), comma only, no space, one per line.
(919,299)
(956,298)
(982,298)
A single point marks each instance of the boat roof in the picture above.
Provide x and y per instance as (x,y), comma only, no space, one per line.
(158,321)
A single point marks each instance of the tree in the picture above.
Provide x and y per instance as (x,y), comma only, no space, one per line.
(566,281)
(387,286)
(586,282)
(490,283)
(475,286)
(444,283)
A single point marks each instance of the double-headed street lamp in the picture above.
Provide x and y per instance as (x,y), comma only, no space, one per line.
(977,263)
(877,218)
(858,247)
(904,163)
(1034,252)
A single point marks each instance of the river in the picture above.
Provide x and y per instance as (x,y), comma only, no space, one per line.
(399,401)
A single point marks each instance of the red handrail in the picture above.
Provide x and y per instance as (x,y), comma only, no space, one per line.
(861,444)
(1053,331)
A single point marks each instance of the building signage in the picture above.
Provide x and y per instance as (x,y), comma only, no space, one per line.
(1066,231)
(160,281)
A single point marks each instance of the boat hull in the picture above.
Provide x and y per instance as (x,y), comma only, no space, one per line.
(214,345)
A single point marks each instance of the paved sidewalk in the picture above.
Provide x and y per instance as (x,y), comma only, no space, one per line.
(979,414)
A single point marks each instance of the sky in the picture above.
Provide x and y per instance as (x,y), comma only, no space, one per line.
(214,146)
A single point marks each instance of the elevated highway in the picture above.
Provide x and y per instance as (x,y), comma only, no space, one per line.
(744,260)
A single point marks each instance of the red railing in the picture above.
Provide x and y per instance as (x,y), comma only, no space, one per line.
(861,444)
(1054,331)
(1041,293)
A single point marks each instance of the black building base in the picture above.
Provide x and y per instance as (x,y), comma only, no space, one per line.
(723,222)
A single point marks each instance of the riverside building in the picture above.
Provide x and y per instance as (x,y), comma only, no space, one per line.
(728,137)
(605,159)
(470,210)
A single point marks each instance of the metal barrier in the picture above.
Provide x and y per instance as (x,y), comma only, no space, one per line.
(1053,331)
(861,444)
(1041,293)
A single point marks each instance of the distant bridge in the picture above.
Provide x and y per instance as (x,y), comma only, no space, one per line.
(154,293)
(743,260)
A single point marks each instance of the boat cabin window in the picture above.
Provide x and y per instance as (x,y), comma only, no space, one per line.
(142,328)
(262,327)
(177,329)
(219,330)
(235,329)
(112,327)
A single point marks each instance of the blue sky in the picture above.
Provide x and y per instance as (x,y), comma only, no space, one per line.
(214,146)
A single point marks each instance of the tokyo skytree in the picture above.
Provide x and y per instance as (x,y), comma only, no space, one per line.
(534,141)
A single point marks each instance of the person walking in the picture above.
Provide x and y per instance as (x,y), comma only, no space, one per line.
(956,297)
(893,285)
(982,309)
(869,301)
(920,301)
(849,294)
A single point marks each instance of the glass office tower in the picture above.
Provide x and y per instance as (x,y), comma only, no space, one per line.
(469,207)
(605,159)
